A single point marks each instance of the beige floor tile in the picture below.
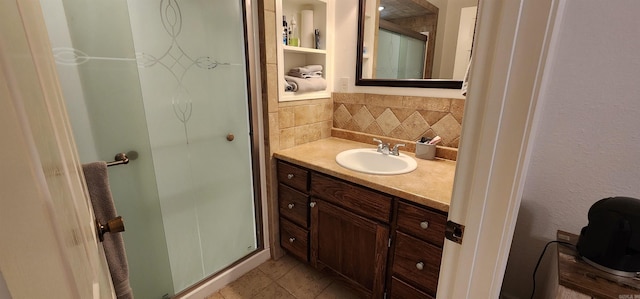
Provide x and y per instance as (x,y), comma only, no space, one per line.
(338,290)
(273,291)
(277,269)
(247,286)
(215,295)
(304,281)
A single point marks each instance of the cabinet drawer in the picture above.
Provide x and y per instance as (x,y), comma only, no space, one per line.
(294,239)
(294,205)
(421,223)
(402,290)
(293,176)
(417,262)
(357,199)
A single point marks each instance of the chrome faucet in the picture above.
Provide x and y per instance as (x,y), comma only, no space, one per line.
(382,147)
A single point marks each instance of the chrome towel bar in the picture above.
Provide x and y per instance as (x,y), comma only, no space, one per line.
(120,158)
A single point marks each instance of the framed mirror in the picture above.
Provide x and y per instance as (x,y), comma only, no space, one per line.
(414,43)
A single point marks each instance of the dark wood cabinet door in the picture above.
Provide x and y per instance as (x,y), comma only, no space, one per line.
(349,244)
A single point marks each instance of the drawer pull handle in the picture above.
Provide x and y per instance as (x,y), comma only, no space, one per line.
(290,176)
(420,266)
(424,224)
(312,204)
(291,205)
(292,239)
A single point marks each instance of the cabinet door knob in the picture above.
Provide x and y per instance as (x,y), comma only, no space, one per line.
(312,204)
(291,205)
(420,266)
(424,224)
(290,176)
(292,239)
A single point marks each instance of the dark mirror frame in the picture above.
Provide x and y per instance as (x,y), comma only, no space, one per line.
(423,83)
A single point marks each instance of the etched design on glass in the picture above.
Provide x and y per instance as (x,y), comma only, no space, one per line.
(176,61)
(71,56)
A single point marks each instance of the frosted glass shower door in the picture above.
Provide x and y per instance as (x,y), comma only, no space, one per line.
(168,80)
(193,78)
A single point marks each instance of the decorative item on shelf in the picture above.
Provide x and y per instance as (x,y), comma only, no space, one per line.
(293,33)
(316,34)
(285,33)
(306,29)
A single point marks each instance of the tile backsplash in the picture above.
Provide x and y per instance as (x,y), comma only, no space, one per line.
(399,117)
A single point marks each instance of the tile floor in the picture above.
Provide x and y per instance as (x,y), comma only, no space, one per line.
(286,278)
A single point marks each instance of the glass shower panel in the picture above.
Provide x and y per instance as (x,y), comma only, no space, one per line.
(399,56)
(193,80)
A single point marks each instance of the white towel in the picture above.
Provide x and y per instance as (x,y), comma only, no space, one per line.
(307,69)
(306,85)
(305,75)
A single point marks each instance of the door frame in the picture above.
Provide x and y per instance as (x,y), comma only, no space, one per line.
(46,220)
(510,52)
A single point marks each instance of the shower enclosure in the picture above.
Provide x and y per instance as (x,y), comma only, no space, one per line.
(167,82)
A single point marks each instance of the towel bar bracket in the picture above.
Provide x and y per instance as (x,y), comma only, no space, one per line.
(112,226)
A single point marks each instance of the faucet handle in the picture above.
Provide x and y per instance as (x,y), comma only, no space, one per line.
(382,147)
(394,150)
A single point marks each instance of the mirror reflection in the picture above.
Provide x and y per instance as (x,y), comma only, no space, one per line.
(412,40)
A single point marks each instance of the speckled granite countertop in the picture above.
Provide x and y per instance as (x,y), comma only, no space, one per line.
(430,184)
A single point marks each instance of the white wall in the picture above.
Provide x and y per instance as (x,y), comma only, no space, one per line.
(346,35)
(587,140)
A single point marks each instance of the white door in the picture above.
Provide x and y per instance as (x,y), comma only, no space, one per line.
(510,50)
(49,246)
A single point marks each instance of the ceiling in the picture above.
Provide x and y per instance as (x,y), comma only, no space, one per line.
(397,9)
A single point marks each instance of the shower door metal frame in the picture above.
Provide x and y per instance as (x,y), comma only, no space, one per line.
(254,135)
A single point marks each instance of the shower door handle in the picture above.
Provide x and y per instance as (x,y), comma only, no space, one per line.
(112,226)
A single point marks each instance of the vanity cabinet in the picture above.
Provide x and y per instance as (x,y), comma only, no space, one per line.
(381,245)
(290,56)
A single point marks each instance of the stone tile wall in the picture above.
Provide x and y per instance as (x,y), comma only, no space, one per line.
(301,122)
(399,117)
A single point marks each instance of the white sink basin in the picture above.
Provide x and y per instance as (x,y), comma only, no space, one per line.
(370,161)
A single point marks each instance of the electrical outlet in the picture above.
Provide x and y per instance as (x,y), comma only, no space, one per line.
(343,84)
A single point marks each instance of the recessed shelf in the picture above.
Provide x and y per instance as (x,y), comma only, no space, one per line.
(293,49)
(295,96)
(290,57)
